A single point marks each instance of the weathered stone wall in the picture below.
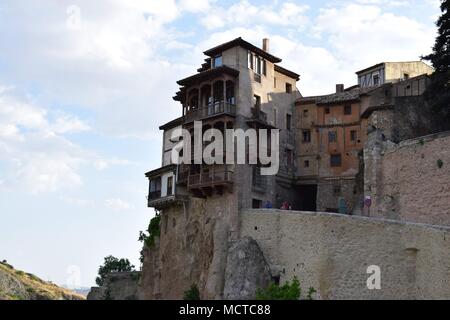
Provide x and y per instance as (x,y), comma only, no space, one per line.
(332,252)
(409,181)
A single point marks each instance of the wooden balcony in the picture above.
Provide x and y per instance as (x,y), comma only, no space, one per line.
(216,179)
(213,110)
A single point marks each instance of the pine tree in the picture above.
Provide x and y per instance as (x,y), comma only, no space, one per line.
(438,93)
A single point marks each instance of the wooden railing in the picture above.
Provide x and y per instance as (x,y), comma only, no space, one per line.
(209,178)
(154,195)
(211,110)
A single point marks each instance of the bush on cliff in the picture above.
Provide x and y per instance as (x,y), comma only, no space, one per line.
(112,264)
(192,294)
(289,291)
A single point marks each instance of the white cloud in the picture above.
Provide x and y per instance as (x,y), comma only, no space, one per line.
(195,5)
(243,13)
(69,124)
(365,34)
(36,157)
(118,204)
(103,164)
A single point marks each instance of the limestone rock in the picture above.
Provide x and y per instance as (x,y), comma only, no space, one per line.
(246,270)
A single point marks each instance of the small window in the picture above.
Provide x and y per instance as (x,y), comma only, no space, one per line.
(169,186)
(250,60)
(217,61)
(332,136)
(306,163)
(376,80)
(274,82)
(256,204)
(306,113)
(337,190)
(405,76)
(306,136)
(257,102)
(289,157)
(327,110)
(335,160)
(353,135)
(348,110)
(288,121)
(288,88)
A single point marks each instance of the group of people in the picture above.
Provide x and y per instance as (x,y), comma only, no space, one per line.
(284,206)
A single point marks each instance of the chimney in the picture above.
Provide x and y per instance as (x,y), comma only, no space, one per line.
(265,44)
(339,88)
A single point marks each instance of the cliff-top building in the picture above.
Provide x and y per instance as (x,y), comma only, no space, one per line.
(238,86)
(363,142)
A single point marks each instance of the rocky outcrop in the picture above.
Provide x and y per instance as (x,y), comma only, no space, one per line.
(191,249)
(246,270)
(117,286)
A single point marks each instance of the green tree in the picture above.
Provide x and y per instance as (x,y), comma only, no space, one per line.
(289,291)
(438,93)
(112,264)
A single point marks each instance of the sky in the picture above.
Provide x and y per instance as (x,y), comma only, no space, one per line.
(84,86)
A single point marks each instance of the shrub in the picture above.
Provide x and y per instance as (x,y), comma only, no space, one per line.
(153,230)
(148,237)
(311,292)
(289,291)
(192,294)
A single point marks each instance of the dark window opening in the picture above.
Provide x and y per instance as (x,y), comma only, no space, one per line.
(288,121)
(306,136)
(376,80)
(169,186)
(337,190)
(305,113)
(306,164)
(353,135)
(256,204)
(288,88)
(347,110)
(289,157)
(332,136)
(257,102)
(335,160)
(327,110)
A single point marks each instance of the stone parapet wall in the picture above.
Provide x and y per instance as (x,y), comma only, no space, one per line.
(332,252)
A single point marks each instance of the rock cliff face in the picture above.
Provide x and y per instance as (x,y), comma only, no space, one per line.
(18,285)
(246,270)
(192,249)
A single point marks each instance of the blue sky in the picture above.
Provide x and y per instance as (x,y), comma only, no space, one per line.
(84,86)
